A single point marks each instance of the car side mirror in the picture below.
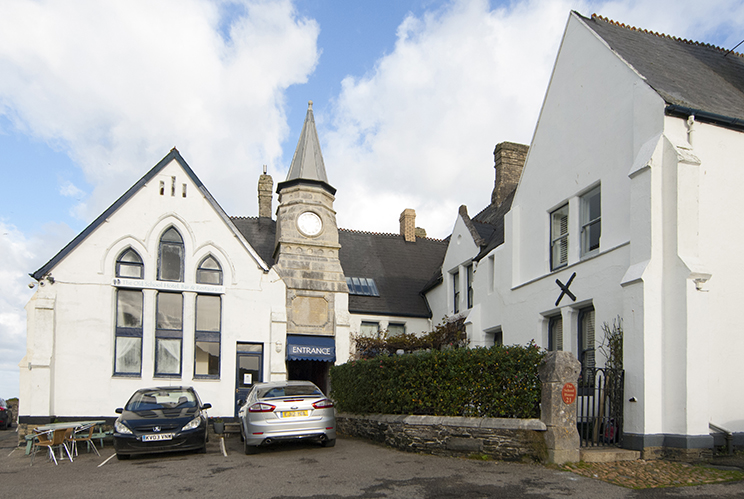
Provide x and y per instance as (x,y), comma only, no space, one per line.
(241,402)
(119,410)
(206,406)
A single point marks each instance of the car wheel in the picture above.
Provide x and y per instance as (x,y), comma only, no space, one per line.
(250,449)
(122,457)
(331,442)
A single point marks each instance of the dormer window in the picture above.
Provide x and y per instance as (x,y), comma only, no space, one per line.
(129,265)
(170,264)
(362,286)
(209,272)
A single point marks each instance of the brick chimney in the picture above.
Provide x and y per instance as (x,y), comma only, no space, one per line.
(509,158)
(408,225)
(265,193)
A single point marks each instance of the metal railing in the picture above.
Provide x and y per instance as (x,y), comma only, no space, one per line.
(600,407)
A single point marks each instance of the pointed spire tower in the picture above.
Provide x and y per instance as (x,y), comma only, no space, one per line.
(306,249)
(307,162)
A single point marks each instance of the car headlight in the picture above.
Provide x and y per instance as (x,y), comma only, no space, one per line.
(194,423)
(121,428)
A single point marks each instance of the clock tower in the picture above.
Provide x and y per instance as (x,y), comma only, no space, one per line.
(306,250)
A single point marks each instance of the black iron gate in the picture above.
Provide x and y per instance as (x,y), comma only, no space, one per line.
(600,407)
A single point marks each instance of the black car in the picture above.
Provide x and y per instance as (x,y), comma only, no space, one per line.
(162,419)
(6,418)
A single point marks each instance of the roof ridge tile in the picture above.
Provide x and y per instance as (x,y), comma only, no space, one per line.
(385,234)
(664,35)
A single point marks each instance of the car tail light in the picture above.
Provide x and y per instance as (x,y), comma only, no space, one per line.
(2,408)
(259,407)
(323,404)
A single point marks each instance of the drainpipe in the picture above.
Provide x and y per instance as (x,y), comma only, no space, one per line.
(690,129)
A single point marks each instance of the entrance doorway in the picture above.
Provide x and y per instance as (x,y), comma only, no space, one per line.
(248,370)
(310,370)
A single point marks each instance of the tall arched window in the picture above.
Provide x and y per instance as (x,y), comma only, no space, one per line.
(170,261)
(129,265)
(209,272)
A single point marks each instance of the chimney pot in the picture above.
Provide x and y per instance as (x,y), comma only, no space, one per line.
(265,194)
(509,158)
(408,225)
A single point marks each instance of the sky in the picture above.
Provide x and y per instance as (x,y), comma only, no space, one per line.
(410,98)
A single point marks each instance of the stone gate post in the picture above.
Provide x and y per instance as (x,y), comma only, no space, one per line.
(558,374)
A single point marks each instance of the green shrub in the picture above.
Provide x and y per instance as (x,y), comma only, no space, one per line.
(501,381)
(446,335)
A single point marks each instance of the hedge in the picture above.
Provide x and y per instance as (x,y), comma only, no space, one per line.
(501,381)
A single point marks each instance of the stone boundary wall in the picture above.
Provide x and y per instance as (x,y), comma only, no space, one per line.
(496,438)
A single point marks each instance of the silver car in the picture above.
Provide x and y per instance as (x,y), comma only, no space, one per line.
(286,410)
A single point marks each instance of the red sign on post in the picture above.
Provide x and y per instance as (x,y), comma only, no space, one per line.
(568,393)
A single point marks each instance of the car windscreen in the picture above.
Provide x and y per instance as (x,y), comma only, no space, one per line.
(154,400)
(289,391)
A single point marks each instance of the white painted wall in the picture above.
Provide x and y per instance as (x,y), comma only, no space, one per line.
(666,211)
(71,323)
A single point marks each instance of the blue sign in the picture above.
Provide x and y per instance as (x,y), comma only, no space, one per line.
(307,347)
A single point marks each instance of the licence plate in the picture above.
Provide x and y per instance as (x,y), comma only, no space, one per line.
(294,414)
(156,437)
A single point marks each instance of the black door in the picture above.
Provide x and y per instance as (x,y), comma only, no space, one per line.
(248,370)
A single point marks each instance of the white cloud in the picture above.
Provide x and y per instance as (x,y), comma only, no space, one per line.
(120,83)
(69,189)
(117,84)
(421,128)
(19,255)
(419,131)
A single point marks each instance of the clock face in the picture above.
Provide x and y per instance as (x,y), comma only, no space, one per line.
(309,223)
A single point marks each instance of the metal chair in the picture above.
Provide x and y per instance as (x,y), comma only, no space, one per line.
(81,436)
(58,437)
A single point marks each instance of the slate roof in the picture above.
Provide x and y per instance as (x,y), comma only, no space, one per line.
(692,77)
(307,162)
(492,216)
(260,232)
(400,269)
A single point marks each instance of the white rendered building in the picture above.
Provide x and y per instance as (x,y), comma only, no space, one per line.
(623,210)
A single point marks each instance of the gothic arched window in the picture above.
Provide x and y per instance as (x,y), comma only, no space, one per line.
(209,272)
(129,265)
(170,258)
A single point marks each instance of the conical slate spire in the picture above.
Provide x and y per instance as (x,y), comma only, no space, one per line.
(307,162)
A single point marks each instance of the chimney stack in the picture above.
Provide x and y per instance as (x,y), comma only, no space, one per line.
(265,194)
(509,158)
(408,225)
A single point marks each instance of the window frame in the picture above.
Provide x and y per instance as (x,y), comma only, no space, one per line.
(561,238)
(166,334)
(178,245)
(402,325)
(553,344)
(469,275)
(201,270)
(456,291)
(208,336)
(376,325)
(120,262)
(583,338)
(589,225)
(128,332)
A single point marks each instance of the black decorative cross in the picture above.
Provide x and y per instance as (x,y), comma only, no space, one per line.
(564,289)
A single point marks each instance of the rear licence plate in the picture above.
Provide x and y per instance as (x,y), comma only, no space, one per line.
(159,436)
(294,414)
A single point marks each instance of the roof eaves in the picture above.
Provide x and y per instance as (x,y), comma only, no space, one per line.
(173,154)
